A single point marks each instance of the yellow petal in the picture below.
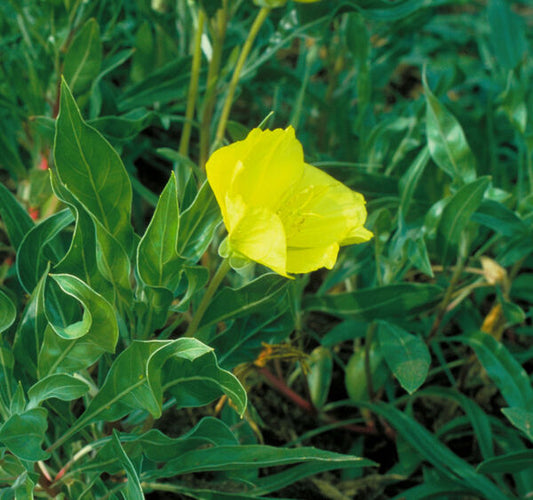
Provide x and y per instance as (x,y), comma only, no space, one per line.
(305,260)
(319,210)
(221,169)
(357,235)
(272,164)
(259,235)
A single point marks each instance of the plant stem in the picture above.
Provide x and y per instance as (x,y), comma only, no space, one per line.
(221,23)
(458,270)
(368,367)
(206,299)
(193,86)
(254,30)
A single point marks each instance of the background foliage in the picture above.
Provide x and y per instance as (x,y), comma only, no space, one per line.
(414,352)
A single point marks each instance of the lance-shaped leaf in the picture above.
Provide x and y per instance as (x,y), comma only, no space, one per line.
(521,418)
(30,330)
(261,294)
(446,140)
(503,369)
(136,377)
(8,312)
(133,489)
(406,354)
(16,219)
(83,58)
(198,224)
(23,434)
(78,345)
(457,214)
(37,249)
(158,262)
(389,301)
(445,461)
(92,171)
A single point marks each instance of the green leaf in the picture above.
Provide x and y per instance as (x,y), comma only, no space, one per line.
(78,345)
(407,355)
(81,259)
(243,340)
(133,489)
(508,34)
(30,330)
(158,262)
(503,369)
(24,485)
(498,217)
(23,434)
(409,181)
(16,219)
(389,301)
(199,381)
(198,224)
(158,447)
(242,457)
(263,293)
(446,140)
(456,469)
(522,419)
(478,418)
(10,160)
(8,312)
(457,214)
(135,379)
(92,171)
(509,463)
(37,250)
(121,129)
(83,58)
(60,386)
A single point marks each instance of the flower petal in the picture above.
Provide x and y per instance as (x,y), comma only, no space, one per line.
(358,235)
(305,260)
(319,210)
(221,169)
(271,165)
(259,235)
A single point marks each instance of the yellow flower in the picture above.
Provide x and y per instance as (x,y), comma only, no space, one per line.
(280,211)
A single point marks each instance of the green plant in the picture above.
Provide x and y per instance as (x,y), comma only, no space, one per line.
(414,351)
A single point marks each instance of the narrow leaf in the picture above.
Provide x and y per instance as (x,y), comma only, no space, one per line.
(8,312)
(522,419)
(504,370)
(36,249)
(16,219)
(457,214)
(83,58)
(446,140)
(388,301)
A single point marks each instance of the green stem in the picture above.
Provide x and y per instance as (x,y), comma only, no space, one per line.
(221,23)
(458,270)
(254,30)
(211,289)
(193,86)
(368,367)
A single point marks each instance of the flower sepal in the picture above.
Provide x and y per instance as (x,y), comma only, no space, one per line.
(237,261)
